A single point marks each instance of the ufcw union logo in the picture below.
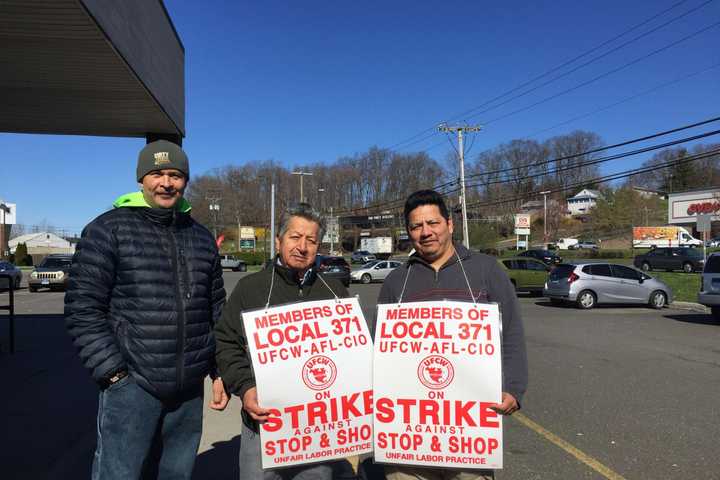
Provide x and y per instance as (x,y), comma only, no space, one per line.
(161,157)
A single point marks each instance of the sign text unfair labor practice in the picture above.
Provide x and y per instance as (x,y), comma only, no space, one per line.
(313,368)
(437,368)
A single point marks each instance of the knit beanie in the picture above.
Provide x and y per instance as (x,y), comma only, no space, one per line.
(161,155)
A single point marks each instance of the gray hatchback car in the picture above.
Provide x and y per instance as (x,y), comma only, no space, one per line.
(590,284)
(710,287)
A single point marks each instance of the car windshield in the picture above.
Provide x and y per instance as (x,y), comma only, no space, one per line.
(713,264)
(561,271)
(55,263)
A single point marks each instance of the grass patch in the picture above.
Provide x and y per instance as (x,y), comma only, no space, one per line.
(685,286)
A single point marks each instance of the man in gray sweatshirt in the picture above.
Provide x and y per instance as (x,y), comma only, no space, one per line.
(441,270)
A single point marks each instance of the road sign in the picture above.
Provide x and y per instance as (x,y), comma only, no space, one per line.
(522,220)
(522,231)
(703,222)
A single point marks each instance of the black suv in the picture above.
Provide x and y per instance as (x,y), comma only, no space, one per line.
(545,256)
(667,258)
(334,267)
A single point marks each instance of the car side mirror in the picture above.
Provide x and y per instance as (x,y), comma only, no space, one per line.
(641,279)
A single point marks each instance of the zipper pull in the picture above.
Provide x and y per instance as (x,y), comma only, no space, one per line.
(181,252)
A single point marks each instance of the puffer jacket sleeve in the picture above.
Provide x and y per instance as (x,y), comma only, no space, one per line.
(218,291)
(232,355)
(87,301)
(217,301)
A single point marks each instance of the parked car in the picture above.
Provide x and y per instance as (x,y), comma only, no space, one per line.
(545,256)
(710,285)
(713,242)
(15,275)
(526,274)
(590,284)
(667,258)
(52,273)
(362,256)
(584,245)
(334,267)
(232,262)
(374,271)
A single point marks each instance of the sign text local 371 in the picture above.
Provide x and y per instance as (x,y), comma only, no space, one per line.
(437,368)
(313,369)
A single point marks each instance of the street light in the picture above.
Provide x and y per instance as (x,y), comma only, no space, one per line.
(545,194)
(215,211)
(302,174)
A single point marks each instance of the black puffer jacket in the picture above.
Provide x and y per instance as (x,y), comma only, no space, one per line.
(144,293)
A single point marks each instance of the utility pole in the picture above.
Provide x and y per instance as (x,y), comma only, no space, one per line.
(545,235)
(272,220)
(3,210)
(461,153)
(302,174)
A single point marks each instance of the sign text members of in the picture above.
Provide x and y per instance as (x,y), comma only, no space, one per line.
(436,371)
(312,364)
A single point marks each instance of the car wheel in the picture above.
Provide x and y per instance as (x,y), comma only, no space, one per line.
(586,300)
(17,284)
(687,267)
(715,313)
(366,278)
(32,289)
(646,267)
(658,299)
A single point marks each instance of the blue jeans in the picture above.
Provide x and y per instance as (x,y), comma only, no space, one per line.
(251,464)
(140,436)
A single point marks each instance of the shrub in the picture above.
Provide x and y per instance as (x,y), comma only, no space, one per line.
(21,256)
(251,258)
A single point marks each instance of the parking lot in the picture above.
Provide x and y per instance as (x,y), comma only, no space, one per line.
(614,393)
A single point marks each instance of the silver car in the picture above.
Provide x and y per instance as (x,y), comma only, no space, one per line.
(589,284)
(374,271)
(710,287)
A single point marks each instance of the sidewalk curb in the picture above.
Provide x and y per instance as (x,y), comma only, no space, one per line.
(695,307)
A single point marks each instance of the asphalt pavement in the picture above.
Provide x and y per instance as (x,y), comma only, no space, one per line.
(614,393)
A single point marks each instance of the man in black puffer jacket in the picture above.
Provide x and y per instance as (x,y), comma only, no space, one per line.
(144,293)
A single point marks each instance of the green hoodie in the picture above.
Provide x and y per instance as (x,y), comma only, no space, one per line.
(136,199)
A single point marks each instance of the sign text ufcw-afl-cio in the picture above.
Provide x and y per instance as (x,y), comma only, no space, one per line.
(436,369)
(313,368)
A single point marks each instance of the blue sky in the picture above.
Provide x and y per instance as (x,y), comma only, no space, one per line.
(301,82)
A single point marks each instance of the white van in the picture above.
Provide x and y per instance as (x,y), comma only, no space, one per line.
(566,243)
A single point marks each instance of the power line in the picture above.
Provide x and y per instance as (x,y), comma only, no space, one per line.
(552,70)
(443,186)
(624,100)
(607,178)
(603,75)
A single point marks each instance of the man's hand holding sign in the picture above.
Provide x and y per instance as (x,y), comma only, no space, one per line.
(322,408)
(450,355)
(435,406)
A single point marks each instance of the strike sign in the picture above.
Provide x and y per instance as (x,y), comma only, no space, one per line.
(313,369)
(437,368)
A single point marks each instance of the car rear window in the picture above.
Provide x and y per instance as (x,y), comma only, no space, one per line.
(561,271)
(602,270)
(713,264)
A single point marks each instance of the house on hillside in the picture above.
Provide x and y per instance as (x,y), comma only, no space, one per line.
(42,243)
(583,201)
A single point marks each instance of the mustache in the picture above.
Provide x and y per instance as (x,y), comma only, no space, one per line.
(167,192)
